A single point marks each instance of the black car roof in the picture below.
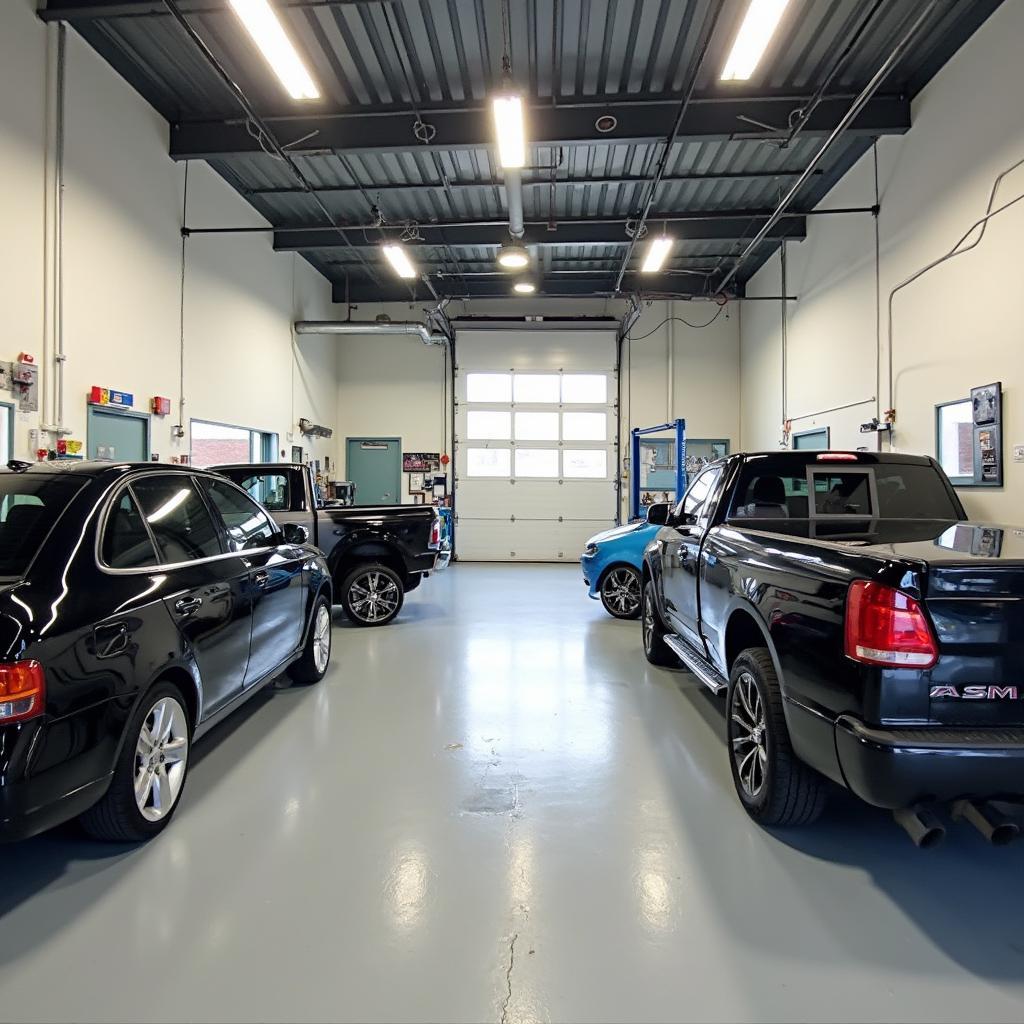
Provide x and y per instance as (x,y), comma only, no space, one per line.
(88,468)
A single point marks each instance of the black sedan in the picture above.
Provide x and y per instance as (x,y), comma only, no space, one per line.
(139,605)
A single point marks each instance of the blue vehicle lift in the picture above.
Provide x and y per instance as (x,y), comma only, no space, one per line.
(679,426)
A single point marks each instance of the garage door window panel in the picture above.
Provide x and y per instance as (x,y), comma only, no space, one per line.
(585,389)
(489,387)
(488,425)
(489,462)
(537,462)
(584,426)
(536,426)
(536,389)
(585,464)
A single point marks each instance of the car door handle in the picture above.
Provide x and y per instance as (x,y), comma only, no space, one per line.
(188,605)
(260,578)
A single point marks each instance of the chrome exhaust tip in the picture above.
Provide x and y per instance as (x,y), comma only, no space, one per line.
(995,827)
(924,828)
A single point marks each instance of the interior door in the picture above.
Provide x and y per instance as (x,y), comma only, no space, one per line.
(375,466)
(535,455)
(118,436)
(680,556)
(208,596)
(275,578)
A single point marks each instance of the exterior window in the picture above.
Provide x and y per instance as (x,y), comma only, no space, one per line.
(584,426)
(585,388)
(537,462)
(489,387)
(536,387)
(482,425)
(536,426)
(585,463)
(247,524)
(126,542)
(495,462)
(177,517)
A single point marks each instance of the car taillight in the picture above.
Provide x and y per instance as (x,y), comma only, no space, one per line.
(435,533)
(22,691)
(884,626)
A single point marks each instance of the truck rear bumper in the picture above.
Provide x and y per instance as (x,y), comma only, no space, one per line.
(444,557)
(895,768)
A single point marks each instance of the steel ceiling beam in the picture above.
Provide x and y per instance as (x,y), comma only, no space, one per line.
(96,10)
(732,225)
(636,123)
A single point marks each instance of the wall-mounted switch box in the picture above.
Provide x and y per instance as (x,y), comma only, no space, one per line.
(1018,453)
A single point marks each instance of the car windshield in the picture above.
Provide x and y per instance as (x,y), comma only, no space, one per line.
(778,487)
(29,506)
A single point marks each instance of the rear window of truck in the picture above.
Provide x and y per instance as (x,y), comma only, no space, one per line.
(773,488)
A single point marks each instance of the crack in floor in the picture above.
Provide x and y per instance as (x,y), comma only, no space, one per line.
(508,978)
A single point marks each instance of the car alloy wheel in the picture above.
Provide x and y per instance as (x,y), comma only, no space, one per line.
(621,592)
(161,756)
(322,638)
(749,740)
(373,596)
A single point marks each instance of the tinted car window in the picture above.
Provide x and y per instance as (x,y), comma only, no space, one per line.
(178,518)
(29,507)
(126,541)
(248,525)
(272,490)
(697,494)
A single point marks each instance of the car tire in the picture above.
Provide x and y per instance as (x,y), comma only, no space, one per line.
(656,650)
(160,729)
(774,786)
(358,587)
(316,655)
(621,592)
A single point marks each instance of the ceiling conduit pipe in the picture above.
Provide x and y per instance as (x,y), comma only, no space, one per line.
(421,331)
(855,108)
(514,197)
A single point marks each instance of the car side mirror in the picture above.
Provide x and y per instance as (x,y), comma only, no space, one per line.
(293,533)
(657,514)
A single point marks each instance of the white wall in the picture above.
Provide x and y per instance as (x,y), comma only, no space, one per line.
(959,326)
(122,263)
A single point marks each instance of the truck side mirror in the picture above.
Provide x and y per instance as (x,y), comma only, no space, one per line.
(293,533)
(657,514)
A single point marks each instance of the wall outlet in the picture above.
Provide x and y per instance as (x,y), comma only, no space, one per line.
(1018,453)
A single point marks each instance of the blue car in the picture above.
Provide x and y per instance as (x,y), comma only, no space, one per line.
(611,567)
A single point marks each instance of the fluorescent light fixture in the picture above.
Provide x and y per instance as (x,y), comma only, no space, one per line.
(759,25)
(524,287)
(513,257)
(399,260)
(508,129)
(268,34)
(657,250)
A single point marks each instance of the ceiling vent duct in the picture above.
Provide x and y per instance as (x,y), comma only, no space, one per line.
(421,331)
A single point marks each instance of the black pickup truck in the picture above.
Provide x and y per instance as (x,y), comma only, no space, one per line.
(376,554)
(860,629)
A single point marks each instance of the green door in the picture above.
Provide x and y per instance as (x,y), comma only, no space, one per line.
(118,436)
(374,465)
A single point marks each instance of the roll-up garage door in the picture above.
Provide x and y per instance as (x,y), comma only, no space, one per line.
(536,424)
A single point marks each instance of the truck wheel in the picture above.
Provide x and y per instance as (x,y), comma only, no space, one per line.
(655,648)
(316,655)
(620,592)
(774,786)
(150,772)
(372,594)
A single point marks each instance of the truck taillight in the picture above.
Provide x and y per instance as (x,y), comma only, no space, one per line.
(435,532)
(885,626)
(22,691)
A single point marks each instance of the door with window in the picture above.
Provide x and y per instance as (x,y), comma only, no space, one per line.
(535,443)
(680,553)
(209,598)
(275,577)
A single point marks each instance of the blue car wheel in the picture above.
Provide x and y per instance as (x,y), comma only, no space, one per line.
(620,592)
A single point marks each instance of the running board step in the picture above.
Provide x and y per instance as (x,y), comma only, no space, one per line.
(697,664)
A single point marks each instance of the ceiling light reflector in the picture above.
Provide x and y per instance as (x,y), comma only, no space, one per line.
(524,287)
(399,260)
(759,25)
(269,35)
(509,131)
(657,250)
(513,257)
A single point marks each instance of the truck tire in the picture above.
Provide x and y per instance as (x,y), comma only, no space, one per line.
(774,786)
(316,655)
(655,648)
(620,592)
(372,594)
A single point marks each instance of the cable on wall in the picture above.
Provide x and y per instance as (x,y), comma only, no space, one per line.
(878,290)
(179,428)
(678,319)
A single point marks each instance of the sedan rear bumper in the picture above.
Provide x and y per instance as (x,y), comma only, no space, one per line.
(895,768)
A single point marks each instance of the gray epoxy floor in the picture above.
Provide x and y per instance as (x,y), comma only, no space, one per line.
(495,810)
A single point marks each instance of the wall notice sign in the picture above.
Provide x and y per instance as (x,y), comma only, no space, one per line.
(417,462)
(107,396)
